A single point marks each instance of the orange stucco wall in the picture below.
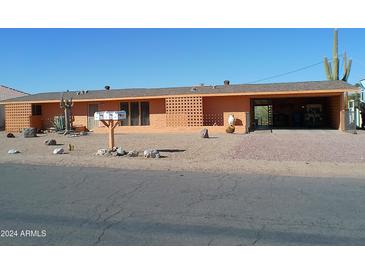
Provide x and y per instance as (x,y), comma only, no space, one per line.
(80,112)
(157,113)
(335,105)
(217,109)
(157,116)
(50,110)
(215,112)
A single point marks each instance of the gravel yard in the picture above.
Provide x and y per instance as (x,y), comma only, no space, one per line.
(292,153)
(303,145)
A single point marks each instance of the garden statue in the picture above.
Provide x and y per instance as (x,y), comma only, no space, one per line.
(231,120)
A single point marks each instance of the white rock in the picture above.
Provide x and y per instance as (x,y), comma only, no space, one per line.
(147,153)
(155,154)
(50,142)
(151,153)
(121,152)
(59,150)
(13,151)
(133,153)
(101,152)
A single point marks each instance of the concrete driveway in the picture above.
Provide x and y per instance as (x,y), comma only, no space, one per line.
(88,206)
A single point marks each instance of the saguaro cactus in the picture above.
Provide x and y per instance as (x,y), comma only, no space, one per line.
(346,68)
(332,69)
(67,105)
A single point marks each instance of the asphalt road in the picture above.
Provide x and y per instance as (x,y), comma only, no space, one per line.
(47,205)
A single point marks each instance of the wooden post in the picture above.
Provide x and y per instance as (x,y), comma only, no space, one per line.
(111,134)
(111,125)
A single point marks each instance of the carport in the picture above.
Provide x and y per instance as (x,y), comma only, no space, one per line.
(296,112)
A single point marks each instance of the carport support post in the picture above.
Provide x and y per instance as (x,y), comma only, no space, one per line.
(111,125)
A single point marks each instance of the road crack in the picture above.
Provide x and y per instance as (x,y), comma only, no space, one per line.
(259,235)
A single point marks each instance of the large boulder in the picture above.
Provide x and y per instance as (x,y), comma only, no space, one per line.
(29,132)
(13,151)
(204,133)
(151,153)
(50,142)
(59,150)
(10,135)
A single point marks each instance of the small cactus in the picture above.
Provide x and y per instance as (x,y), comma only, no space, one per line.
(71,147)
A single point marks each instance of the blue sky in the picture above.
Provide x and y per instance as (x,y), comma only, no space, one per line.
(40,60)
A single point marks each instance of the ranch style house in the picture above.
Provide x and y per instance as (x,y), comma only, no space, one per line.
(315,104)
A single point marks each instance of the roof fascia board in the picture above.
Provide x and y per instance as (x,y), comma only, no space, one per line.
(254,93)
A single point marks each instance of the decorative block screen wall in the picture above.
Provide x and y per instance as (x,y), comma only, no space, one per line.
(17,117)
(213,119)
(184,111)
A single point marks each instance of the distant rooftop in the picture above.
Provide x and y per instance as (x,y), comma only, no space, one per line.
(201,89)
(8,93)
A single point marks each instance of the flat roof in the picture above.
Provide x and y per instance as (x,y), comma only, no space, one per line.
(330,86)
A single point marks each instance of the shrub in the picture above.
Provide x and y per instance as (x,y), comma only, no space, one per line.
(58,123)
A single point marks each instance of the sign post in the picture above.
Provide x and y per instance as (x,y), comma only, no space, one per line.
(110,119)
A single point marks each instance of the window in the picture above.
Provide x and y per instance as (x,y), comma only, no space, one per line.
(134,114)
(145,113)
(138,113)
(36,110)
(125,106)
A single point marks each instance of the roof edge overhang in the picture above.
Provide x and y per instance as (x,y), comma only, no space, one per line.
(268,93)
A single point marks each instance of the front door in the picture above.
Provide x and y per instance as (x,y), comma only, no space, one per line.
(91,123)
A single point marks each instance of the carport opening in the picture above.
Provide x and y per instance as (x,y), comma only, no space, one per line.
(296,113)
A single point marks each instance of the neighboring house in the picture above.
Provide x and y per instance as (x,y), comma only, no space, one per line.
(316,104)
(362,103)
(362,91)
(7,93)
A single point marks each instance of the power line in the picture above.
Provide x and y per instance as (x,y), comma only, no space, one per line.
(289,72)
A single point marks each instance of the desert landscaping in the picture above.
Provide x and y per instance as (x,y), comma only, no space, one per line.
(325,153)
